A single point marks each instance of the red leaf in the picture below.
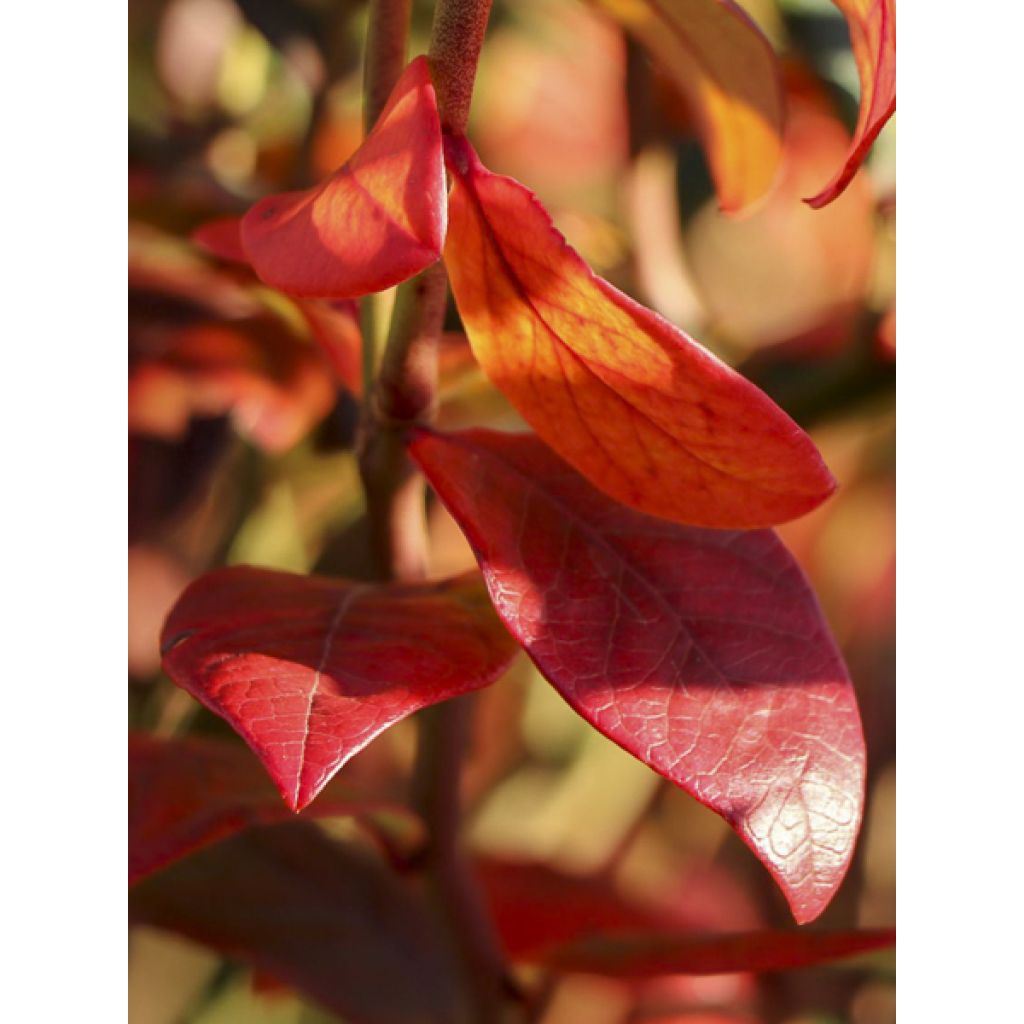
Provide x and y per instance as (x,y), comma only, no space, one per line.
(309,670)
(872,26)
(701,652)
(727,70)
(639,408)
(376,221)
(647,956)
(320,916)
(335,325)
(536,907)
(222,238)
(184,794)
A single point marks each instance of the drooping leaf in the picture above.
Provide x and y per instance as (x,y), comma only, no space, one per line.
(647,956)
(728,71)
(701,652)
(184,794)
(377,221)
(309,670)
(872,25)
(639,408)
(320,916)
(335,325)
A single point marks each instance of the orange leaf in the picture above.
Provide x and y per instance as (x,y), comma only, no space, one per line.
(873,38)
(377,221)
(726,68)
(638,407)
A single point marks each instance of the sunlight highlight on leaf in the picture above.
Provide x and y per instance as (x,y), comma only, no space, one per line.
(638,407)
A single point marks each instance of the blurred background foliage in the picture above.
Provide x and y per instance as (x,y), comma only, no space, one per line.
(241,437)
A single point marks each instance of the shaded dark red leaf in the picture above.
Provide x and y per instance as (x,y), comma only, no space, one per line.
(701,652)
(536,907)
(309,670)
(646,956)
(376,221)
(872,25)
(184,794)
(323,917)
(639,408)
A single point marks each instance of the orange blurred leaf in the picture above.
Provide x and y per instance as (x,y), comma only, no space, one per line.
(377,221)
(872,26)
(638,407)
(727,69)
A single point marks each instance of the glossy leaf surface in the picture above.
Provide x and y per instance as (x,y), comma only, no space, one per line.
(872,25)
(309,670)
(184,794)
(646,956)
(727,70)
(376,221)
(321,916)
(639,408)
(701,652)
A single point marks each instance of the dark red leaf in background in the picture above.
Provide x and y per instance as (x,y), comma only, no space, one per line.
(701,652)
(638,407)
(184,794)
(648,956)
(309,670)
(872,25)
(321,916)
(377,221)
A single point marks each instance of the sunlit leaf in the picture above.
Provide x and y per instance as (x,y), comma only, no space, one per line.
(184,794)
(872,25)
(639,408)
(320,916)
(728,71)
(309,670)
(701,652)
(377,221)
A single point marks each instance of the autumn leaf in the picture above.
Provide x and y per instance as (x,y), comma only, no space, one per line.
(872,25)
(309,670)
(323,917)
(376,221)
(638,407)
(727,70)
(186,793)
(222,237)
(701,652)
(652,955)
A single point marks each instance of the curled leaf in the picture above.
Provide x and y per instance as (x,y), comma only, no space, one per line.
(701,652)
(872,26)
(309,670)
(222,237)
(727,70)
(632,402)
(376,221)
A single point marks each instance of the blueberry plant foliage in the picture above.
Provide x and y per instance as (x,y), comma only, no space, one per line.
(625,544)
